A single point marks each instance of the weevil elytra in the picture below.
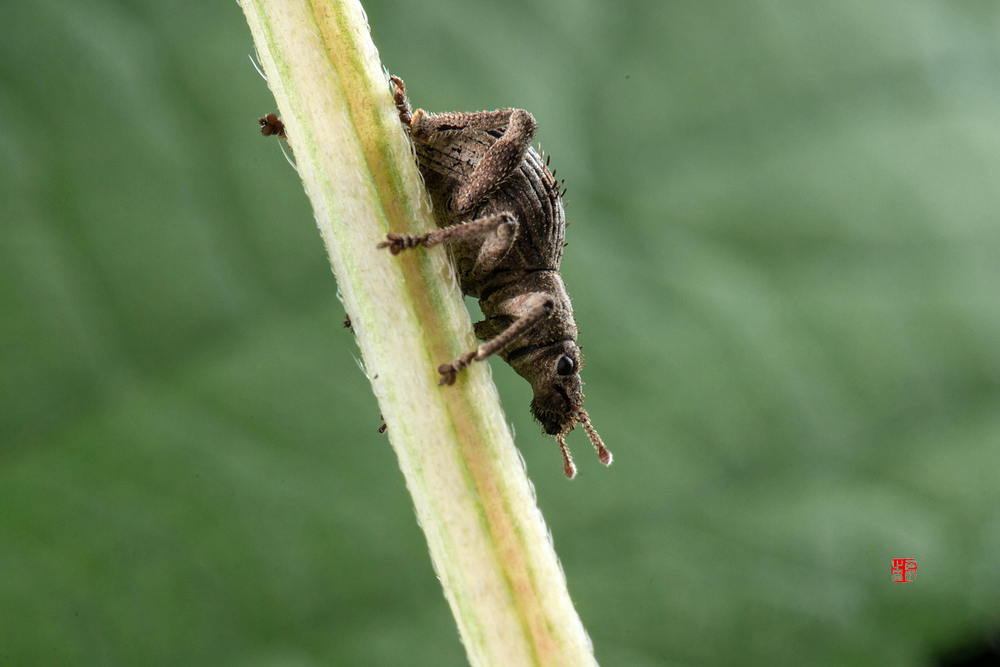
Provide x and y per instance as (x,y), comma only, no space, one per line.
(500,211)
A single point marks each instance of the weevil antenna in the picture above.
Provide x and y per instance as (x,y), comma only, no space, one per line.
(568,466)
(602,452)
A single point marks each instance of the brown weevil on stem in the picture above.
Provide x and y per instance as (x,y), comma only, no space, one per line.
(500,210)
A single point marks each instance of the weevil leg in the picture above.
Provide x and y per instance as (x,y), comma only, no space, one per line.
(495,247)
(499,161)
(534,308)
(502,225)
(425,126)
(402,103)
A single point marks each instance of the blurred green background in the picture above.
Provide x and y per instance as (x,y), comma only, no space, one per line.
(784,258)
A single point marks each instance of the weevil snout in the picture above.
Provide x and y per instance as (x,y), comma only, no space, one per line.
(554,374)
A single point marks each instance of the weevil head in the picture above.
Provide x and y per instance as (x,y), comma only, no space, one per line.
(554,373)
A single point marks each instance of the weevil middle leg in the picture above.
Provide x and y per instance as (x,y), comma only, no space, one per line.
(500,229)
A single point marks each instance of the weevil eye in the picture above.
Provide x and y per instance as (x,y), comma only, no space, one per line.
(565,365)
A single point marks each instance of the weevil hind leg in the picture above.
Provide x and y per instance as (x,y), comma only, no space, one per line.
(499,162)
(500,159)
(426,125)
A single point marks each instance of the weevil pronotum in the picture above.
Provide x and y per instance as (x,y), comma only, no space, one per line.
(500,210)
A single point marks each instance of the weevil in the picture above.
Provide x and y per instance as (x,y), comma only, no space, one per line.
(499,209)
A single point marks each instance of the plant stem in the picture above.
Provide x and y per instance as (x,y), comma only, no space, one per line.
(487,538)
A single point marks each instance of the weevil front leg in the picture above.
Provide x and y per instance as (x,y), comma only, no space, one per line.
(533,308)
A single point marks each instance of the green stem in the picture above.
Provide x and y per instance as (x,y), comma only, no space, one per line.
(486,536)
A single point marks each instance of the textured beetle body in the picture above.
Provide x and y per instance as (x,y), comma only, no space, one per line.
(500,210)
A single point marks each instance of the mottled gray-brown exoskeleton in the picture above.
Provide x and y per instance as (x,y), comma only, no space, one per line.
(500,210)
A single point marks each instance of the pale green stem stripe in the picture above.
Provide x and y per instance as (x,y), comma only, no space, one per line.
(487,539)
